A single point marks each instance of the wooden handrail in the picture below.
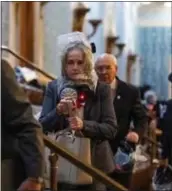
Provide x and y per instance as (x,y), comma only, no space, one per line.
(28,63)
(98,175)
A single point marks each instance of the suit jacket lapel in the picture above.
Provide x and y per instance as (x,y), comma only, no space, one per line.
(118,92)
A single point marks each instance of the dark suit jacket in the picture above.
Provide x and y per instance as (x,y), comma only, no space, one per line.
(21,133)
(167,132)
(99,117)
(128,108)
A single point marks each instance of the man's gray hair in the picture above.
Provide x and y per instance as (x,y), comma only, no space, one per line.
(107,55)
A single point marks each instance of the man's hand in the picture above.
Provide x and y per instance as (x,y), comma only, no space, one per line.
(132,137)
(75,123)
(30,185)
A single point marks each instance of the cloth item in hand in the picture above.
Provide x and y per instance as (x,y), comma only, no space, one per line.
(123,158)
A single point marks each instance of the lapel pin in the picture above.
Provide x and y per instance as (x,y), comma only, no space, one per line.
(118,97)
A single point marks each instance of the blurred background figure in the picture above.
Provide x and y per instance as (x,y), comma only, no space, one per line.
(144,89)
(163,176)
(167,130)
(150,101)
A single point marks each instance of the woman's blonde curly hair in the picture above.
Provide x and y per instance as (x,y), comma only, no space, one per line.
(88,57)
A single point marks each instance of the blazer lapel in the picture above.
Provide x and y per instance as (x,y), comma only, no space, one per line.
(87,108)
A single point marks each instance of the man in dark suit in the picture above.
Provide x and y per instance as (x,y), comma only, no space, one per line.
(127,105)
(22,159)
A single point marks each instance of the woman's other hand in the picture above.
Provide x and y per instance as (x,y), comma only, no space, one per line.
(75,123)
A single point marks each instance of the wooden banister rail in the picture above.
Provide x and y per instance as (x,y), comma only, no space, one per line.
(29,64)
(98,175)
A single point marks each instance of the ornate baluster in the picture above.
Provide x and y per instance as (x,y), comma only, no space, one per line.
(53,158)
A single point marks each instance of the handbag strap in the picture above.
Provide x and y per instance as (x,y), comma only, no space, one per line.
(66,131)
(69,133)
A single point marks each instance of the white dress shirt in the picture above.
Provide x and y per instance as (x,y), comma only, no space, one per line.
(113,87)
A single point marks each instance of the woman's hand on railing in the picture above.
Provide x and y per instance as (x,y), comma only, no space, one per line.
(76,123)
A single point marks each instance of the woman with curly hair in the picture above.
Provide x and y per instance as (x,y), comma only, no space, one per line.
(99,121)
